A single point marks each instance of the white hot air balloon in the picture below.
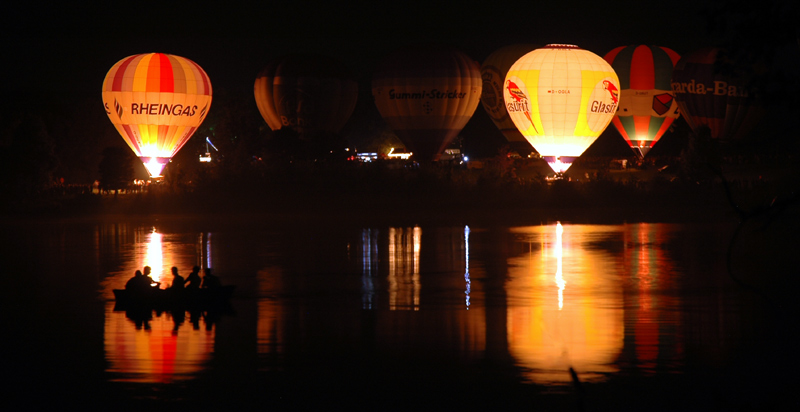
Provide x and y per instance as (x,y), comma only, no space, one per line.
(561,98)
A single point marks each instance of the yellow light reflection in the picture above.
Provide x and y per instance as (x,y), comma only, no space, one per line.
(154,256)
(559,275)
(404,278)
(584,327)
(143,345)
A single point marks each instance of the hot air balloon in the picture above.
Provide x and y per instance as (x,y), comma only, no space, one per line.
(309,94)
(709,98)
(427,95)
(156,101)
(647,107)
(493,72)
(561,98)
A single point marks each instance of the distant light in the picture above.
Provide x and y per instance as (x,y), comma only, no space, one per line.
(466,159)
(205,158)
(367,157)
(393,155)
(208,141)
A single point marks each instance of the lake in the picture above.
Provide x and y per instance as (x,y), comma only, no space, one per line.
(334,314)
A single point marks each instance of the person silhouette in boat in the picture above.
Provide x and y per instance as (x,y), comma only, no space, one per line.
(136,282)
(210,281)
(177,280)
(193,281)
(148,280)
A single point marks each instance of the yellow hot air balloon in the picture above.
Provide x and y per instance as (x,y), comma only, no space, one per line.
(561,98)
(156,101)
(493,72)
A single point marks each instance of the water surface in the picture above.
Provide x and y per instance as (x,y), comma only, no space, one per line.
(648,316)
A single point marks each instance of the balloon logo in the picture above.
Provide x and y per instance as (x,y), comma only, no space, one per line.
(561,98)
(309,94)
(156,102)
(493,72)
(647,108)
(427,95)
(711,99)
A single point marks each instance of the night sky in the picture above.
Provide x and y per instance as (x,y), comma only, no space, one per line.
(62,52)
(71,48)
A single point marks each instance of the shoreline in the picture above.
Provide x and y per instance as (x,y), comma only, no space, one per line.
(480,209)
(431,195)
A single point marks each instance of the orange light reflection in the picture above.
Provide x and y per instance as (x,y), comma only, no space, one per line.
(404,277)
(154,256)
(583,328)
(145,346)
(154,352)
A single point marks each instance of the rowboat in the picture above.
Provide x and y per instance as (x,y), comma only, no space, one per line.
(155,297)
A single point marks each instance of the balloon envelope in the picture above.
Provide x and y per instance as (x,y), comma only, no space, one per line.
(561,98)
(156,101)
(647,107)
(309,94)
(709,98)
(427,95)
(493,72)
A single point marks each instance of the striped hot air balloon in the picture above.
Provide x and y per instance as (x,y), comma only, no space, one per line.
(156,101)
(427,95)
(561,98)
(647,106)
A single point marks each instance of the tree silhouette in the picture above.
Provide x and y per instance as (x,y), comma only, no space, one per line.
(116,168)
(31,160)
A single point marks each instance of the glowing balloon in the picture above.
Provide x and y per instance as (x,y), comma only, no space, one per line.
(156,101)
(647,107)
(709,98)
(561,98)
(308,94)
(427,95)
(493,72)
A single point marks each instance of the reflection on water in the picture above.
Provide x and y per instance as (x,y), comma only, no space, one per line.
(148,345)
(154,257)
(403,304)
(651,314)
(161,348)
(404,276)
(466,266)
(566,305)
(564,300)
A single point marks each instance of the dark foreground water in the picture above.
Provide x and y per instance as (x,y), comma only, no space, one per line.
(348,317)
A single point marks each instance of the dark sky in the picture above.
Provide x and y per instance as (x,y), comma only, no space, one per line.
(70,48)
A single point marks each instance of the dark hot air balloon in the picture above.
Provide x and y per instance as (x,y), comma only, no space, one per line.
(427,95)
(713,98)
(493,72)
(309,94)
